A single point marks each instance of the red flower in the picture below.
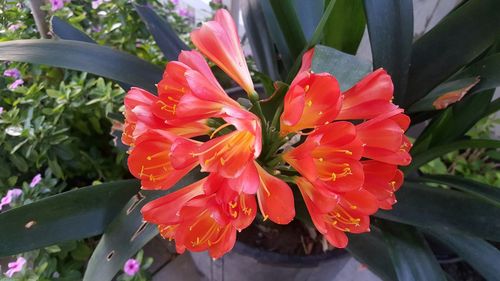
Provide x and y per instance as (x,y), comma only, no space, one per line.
(219,41)
(334,215)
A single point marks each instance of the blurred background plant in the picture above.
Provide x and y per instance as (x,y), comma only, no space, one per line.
(59,121)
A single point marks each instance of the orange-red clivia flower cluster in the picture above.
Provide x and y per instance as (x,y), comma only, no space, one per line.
(345,170)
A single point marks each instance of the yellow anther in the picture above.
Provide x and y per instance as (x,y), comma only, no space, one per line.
(309,103)
(306,88)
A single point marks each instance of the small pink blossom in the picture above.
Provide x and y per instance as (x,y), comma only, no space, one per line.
(12,72)
(56,4)
(14,27)
(131,267)
(175,2)
(36,180)
(16,84)
(1,110)
(11,195)
(96,3)
(183,12)
(15,267)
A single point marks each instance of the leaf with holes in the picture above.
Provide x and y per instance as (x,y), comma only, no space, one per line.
(126,235)
(71,215)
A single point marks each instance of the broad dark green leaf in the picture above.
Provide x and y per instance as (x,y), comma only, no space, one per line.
(309,13)
(480,254)
(289,25)
(346,68)
(458,39)
(82,56)
(72,215)
(277,36)
(478,189)
(126,235)
(371,249)
(458,87)
(453,123)
(444,209)
(412,258)
(425,156)
(345,26)
(390,26)
(321,27)
(66,31)
(488,71)
(260,39)
(166,38)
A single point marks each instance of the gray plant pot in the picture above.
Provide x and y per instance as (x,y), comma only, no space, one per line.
(245,263)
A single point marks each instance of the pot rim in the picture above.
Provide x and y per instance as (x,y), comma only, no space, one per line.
(268,257)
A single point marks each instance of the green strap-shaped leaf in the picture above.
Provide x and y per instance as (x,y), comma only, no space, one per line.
(289,25)
(481,190)
(444,209)
(309,14)
(166,38)
(423,157)
(481,75)
(126,235)
(459,87)
(480,254)
(458,39)
(72,215)
(390,26)
(277,36)
(346,68)
(66,31)
(260,39)
(412,258)
(82,56)
(345,26)
(371,249)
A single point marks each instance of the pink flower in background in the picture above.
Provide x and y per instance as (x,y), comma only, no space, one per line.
(12,72)
(56,4)
(97,3)
(16,84)
(175,2)
(131,267)
(11,195)
(1,110)
(217,1)
(183,12)
(14,27)
(15,267)
(36,180)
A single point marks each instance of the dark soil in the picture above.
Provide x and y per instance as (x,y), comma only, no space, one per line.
(292,239)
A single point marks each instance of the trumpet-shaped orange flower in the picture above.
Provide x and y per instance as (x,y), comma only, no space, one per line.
(345,170)
(219,41)
(150,160)
(312,100)
(369,98)
(345,212)
(275,198)
(330,157)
